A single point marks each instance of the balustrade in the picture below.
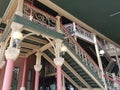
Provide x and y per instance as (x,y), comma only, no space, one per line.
(39,16)
(82,54)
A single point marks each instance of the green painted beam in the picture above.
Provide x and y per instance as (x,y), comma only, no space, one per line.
(37,27)
(6,32)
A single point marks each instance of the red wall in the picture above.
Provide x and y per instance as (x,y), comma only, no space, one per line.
(20,64)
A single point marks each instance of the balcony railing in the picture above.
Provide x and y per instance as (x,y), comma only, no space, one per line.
(38,16)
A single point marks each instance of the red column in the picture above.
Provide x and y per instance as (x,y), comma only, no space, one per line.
(37,81)
(59,62)
(24,75)
(37,68)
(59,78)
(8,75)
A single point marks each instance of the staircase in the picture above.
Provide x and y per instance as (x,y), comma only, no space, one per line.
(82,55)
(112,83)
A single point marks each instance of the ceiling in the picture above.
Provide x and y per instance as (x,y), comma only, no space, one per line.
(102,15)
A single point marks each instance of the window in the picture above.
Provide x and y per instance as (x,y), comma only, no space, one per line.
(29,79)
(16,71)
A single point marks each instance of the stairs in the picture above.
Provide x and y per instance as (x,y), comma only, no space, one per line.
(82,55)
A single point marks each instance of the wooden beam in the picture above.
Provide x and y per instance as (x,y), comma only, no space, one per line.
(42,49)
(45,47)
(92,89)
(31,46)
(37,39)
(25,50)
(22,55)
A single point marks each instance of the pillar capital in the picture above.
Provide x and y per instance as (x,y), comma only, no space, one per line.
(37,67)
(22,88)
(59,61)
(12,53)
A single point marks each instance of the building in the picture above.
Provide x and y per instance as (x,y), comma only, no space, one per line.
(44,45)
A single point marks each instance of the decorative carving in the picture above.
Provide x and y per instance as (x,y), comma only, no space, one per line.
(37,67)
(12,53)
(59,61)
(22,88)
(39,16)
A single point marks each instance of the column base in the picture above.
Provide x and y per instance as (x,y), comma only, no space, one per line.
(22,88)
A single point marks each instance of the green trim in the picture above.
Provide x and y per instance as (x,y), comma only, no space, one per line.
(37,27)
(3,7)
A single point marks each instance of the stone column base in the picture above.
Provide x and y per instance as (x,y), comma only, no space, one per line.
(22,88)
